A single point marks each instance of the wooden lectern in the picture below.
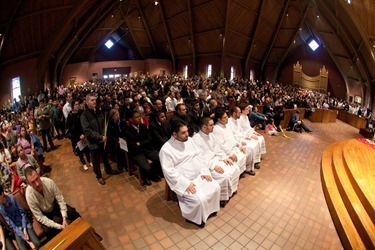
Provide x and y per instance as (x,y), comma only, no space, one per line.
(78,235)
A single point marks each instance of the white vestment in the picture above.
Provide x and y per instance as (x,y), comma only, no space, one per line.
(224,137)
(183,163)
(228,180)
(245,126)
(252,146)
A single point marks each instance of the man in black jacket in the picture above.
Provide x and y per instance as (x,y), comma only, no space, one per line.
(181,115)
(160,130)
(92,124)
(142,151)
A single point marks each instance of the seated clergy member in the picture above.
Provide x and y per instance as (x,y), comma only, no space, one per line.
(141,150)
(187,174)
(250,144)
(223,170)
(47,203)
(246,128)
(225,138)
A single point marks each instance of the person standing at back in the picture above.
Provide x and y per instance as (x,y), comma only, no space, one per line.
(92,123)
(43,115)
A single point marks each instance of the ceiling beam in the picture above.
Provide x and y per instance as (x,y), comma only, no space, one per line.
(44,11)
(224,38)
(239,34)
(291,42)
(260,8)
(130,29)
(246,7)
(76,35)
(58,37)
(192,39)
(9,25)
(274,35)
(168,34)
(145,24)
(340,68)
(362,32)
(329,16)
(64,55)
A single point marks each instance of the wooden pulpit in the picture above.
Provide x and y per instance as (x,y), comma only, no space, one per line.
(78,235)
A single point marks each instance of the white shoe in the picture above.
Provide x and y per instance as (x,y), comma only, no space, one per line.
(85,167)
(91,164)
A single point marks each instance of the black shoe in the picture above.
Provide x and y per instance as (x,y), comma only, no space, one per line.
(120,171)
(113,172)
(198,225)
(257,166)
(212,215)
(53,148)
(146,182)
(242,175)
(101,181)
(46,150)
(223,203)
(251,172)
(156,179)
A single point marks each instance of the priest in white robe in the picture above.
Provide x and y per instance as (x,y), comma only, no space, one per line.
(244,124)
(228,144)
(223,169)
(187,174)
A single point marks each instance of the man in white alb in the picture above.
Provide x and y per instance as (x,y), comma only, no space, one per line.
(250,143)
(223,169)
(227,142)
(246,128)
(187,174)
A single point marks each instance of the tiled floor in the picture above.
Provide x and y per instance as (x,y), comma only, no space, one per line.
(282,207)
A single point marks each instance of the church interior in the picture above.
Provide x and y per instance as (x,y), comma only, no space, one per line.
(45,44)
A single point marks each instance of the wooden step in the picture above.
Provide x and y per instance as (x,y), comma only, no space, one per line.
(355,207)
(345,227)
(360,159)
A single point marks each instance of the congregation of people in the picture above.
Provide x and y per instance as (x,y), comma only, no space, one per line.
(201,135)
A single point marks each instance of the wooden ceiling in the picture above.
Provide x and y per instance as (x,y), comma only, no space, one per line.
(256,31)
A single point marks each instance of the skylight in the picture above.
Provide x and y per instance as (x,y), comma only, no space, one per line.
(109,44)
(313,45)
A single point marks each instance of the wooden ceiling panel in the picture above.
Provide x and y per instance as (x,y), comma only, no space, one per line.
(363,11)
(210,16)
(158,33)
(153,16)
(235,44)
(140,36)
(272,10)
(183,47)
(241,20)
(264,34)
(251,6)
(208,42)
(283,38)
(173,8)
(257,52)
(179,26)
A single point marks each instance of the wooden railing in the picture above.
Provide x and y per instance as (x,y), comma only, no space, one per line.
(347,174)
